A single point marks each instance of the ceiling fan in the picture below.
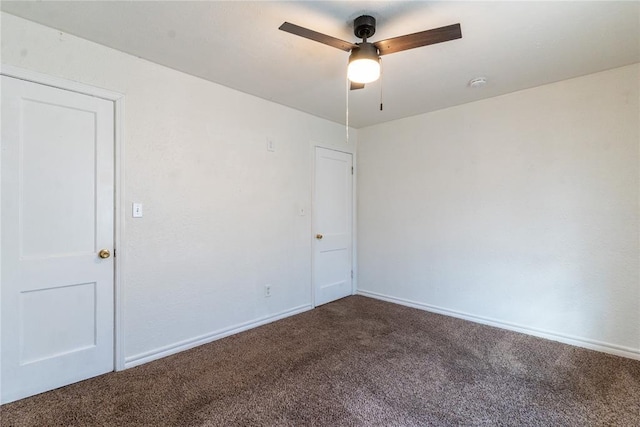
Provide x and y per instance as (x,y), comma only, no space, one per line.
(364,61)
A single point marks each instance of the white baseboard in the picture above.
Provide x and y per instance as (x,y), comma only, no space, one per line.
(603,347)
(168,350)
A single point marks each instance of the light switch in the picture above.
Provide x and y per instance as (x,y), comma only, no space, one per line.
(137,210)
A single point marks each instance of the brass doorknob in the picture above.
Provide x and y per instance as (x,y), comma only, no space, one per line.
(319,236)
(104,253)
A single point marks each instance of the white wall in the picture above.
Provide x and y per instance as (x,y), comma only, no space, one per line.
(519,211)
(221,212)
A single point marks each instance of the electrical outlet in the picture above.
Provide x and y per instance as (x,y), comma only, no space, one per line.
(267,291)
(271,145)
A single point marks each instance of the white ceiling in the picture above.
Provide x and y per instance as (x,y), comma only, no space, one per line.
(516,45)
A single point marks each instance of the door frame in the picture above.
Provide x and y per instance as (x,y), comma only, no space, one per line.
(354,259)
(119,186)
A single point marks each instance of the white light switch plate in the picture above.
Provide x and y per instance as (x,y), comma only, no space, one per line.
(137,210)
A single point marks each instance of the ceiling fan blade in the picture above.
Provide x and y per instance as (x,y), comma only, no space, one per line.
(356,86)
(423,38)
(316,36)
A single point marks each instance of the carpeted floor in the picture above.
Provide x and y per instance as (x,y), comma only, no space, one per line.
(355,362)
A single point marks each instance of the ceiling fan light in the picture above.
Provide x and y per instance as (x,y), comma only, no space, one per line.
(364,64)
(363,70)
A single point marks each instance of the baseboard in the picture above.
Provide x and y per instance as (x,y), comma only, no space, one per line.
(554,336)
(168,350)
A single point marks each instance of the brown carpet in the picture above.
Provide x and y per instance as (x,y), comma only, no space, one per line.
(355,362)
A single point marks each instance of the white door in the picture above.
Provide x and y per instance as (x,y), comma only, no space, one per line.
(333,219)
(57,319)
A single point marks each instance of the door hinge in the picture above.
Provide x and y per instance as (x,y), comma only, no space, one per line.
(352,274)
(351,170)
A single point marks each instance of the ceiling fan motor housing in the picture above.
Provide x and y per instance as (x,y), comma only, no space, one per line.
(364,51)
(364,26)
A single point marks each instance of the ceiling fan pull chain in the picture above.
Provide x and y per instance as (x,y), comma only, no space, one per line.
(347,89)
(380,83)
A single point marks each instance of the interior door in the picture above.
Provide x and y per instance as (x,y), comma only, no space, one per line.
(57,319)
(333,223)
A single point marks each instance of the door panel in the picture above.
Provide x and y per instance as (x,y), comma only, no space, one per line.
(44,170)
(333,220)
(57,213)
(64,331)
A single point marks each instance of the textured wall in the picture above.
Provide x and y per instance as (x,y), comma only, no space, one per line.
(220,211)
(521,209)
